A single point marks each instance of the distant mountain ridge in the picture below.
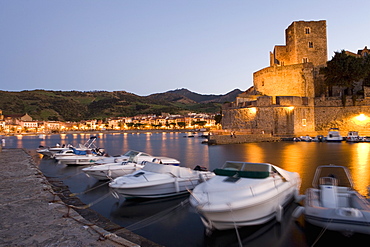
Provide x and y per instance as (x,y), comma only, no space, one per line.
(186,95)
(77,105)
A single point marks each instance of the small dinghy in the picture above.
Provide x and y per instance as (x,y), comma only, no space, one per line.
(333,204)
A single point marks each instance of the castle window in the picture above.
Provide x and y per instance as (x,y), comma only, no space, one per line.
(307,30)
(305,60)
(304,122)
(310,44)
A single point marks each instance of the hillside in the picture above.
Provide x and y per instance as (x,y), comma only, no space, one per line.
(76,105)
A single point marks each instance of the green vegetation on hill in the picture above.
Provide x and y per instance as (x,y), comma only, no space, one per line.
(76,105)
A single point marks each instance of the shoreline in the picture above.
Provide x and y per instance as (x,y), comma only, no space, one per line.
(106,132)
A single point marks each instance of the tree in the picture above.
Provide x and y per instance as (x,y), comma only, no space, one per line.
(343,70)
(218,118)
(366,81)
(129,125)
(181,124)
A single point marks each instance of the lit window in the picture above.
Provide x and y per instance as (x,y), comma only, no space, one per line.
(310,44)
(307,30)
(305,60)
(304,122)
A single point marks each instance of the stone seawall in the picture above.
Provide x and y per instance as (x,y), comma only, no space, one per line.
(237,139)
(302,119)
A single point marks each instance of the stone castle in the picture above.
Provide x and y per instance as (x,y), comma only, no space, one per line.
(289,98)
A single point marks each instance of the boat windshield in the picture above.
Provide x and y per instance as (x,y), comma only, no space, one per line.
(233,166)
(131,153)
(339,174)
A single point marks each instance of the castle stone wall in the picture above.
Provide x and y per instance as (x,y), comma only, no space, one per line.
(330,113)
(271,118)
(238,119)
(292,80)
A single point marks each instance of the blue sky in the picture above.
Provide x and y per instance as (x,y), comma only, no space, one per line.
(150,46)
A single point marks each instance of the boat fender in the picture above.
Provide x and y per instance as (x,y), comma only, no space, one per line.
(201,178)
(298,211)
(297,197)
(279,213)
(177,187)
(158,161)
(115,195)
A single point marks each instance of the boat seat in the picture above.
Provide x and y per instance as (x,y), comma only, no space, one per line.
(329,192)
(343,200)
(329,196)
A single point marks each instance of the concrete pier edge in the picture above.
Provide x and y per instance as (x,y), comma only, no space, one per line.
(107,232)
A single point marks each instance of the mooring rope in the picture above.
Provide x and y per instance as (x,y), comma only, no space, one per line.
(156,217)
(235,227)
(323,230)
(93,188)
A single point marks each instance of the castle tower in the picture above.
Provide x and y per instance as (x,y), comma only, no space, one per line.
(306,41)
(293,67)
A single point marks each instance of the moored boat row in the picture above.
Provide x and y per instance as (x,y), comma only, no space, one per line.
(239,193)
(334,136)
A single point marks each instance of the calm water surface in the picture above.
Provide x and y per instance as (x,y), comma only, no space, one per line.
(172,221)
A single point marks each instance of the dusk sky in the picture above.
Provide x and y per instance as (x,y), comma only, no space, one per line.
(151,46)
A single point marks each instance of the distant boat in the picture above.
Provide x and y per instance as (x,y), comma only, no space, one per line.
(334,135)
(353,136)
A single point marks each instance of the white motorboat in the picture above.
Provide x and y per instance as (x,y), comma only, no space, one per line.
(353,136)
(244,194)
(63,152)
(112,170)
(334,135)
(137,157)
(303,139)
(128,163)
(159,180)
(81,157)
(333,204)
(51,151)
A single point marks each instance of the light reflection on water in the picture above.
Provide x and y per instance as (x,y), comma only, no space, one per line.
(360,167)
(183,224)
(301,157)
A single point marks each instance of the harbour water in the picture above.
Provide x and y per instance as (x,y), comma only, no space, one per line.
(172,221)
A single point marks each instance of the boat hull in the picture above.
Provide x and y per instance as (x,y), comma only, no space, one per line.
(84,160)
(247,196)
(161,189)
(347,219)
(111,171)
(254,214)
